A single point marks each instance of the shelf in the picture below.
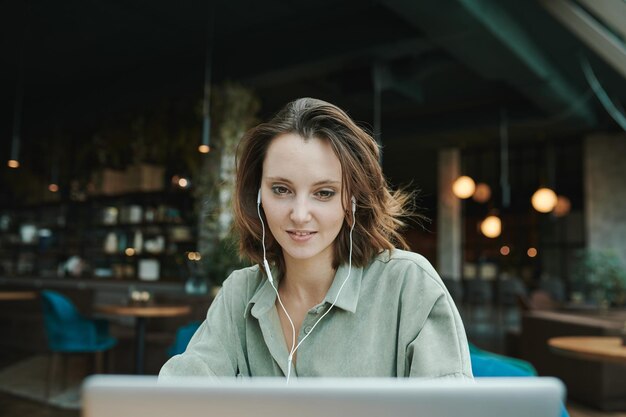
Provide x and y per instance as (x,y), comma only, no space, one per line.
(93,283)
(78,229)
(137,256)
(136,196)
(139,225)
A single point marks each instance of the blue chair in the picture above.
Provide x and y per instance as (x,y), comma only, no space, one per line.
(68,332)
(183,336)
(488,364)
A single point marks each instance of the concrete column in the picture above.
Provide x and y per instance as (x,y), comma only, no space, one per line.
(605,193)
(449,249)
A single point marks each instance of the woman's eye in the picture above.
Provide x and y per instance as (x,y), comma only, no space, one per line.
(325,194)
(280,190)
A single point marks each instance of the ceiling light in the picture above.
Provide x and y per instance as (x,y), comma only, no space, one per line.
(544,200)
(463,187)
(491,226)
(562,207)
(482,194)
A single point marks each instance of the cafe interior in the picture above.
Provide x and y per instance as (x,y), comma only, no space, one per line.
(120,123)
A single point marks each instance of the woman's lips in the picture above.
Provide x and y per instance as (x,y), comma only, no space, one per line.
(300,236)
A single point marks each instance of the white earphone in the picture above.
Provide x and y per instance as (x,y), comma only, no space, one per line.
(266,266)
(268,272)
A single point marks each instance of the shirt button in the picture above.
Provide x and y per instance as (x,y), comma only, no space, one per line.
(307,329)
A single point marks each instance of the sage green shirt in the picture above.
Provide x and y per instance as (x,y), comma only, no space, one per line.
(393,318)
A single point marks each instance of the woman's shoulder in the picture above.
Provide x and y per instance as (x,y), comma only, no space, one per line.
(409,274)
(242,283)
(405,264)
(398,258)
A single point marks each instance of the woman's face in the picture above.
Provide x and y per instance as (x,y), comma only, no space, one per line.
(301,196)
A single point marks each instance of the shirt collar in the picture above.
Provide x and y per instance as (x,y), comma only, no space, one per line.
(263,299)
(265,296)
(349,297)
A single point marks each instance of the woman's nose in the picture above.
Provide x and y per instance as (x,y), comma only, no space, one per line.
(300,211)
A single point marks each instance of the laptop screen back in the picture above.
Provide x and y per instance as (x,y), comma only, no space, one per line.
(114,396)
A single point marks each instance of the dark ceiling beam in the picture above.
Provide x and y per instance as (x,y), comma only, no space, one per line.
(468,131)
(612,12)
(389,81)
(408,79)
(322,64)
(591,32)
(496,46)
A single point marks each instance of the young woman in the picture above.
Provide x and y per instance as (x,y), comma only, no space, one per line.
(329,294)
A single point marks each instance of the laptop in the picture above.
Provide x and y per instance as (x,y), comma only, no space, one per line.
(118,396)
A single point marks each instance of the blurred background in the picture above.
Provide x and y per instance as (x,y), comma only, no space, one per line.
(120,120)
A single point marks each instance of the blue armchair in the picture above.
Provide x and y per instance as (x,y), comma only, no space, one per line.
(183,336)
(488,364)
(68,332)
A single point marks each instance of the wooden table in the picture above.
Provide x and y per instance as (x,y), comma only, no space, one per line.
(17,295)
(595,348)
(141,313)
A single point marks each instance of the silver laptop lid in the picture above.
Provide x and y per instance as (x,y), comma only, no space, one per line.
(116,396)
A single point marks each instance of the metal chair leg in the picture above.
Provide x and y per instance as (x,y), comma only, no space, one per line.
(50,371)
(99,362)
(64,363)
(110,361)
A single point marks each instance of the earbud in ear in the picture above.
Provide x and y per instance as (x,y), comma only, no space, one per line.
(353,204)
(258,197)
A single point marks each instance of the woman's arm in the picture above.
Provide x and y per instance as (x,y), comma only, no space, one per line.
(212,349)
(440,348)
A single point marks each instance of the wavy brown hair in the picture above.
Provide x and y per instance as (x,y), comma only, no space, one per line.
(380,211)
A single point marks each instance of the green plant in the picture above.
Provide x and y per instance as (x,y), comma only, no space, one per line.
(601,275)
(224,259)
(233,112)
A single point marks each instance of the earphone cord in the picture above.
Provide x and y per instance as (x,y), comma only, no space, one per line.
(271,279)
(331,306)
(294,347)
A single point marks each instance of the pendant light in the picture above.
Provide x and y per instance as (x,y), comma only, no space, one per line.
(562,207)
(491,227)
(464,187)
(482,194)
(377,81)
(544,199)
(14,160)
(53,187)
(505,186)
(205,145)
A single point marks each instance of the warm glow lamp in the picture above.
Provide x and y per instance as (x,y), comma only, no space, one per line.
(463,187)
(544,200)
(205,145)
(482,194)
(491,226)
(183,183)
(562,207)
